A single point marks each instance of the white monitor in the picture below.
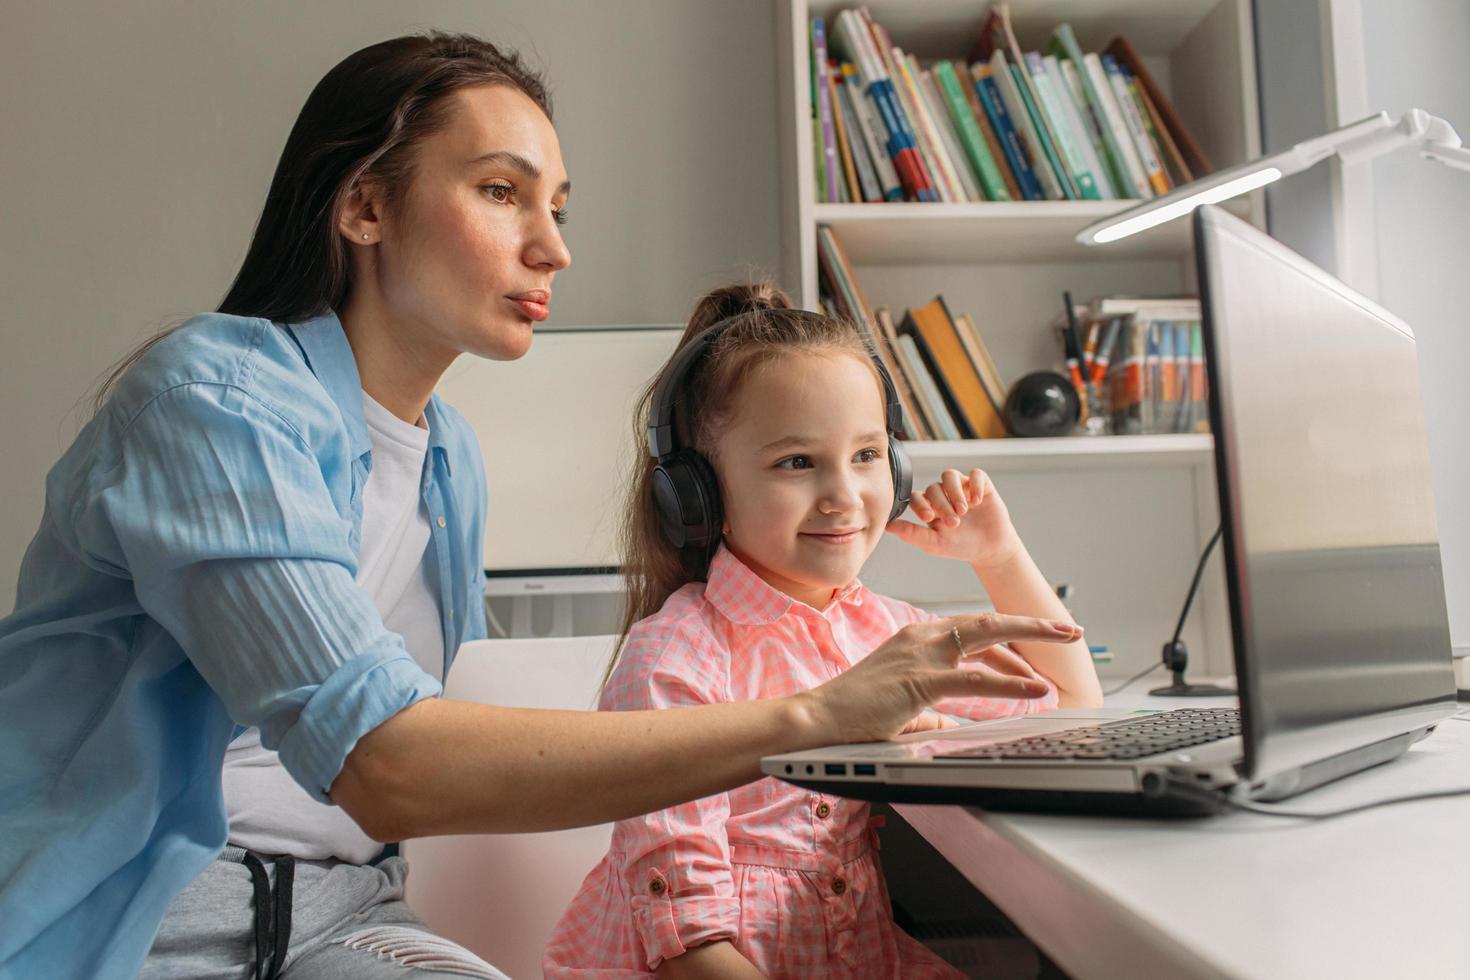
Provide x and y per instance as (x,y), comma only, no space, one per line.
(556,429)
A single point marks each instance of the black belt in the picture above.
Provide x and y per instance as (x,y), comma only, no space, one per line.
(272,913)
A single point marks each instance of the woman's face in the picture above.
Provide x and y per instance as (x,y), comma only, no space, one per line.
(469,250)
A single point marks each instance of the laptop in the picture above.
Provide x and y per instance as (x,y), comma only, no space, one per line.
(1337,608)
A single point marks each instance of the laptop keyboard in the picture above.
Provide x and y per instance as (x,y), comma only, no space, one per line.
(1166,731)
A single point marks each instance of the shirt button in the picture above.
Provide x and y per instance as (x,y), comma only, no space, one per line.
(657,886)
(824,810)
(441,522)
(839,886)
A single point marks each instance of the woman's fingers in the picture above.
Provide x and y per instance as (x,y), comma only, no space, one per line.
(976,633)
(1002,659)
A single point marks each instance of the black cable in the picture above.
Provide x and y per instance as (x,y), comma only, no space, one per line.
(1199,572)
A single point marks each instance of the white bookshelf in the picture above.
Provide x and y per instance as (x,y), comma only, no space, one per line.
(1121,518)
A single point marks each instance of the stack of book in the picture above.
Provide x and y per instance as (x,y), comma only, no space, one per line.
(945,377)
(1004,125)
(1147,356)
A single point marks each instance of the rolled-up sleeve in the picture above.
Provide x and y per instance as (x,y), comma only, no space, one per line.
(221,513)
(675,863)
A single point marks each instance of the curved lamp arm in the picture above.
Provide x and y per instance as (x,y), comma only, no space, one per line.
(1362,140)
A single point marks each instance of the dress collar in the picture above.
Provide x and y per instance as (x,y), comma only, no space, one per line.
(745,599)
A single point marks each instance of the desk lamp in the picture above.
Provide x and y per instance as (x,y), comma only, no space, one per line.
(1362,140)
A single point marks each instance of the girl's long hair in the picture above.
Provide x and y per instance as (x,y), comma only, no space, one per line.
(762,326)
(361,122)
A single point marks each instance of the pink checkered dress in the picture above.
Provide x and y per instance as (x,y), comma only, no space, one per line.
(787,875)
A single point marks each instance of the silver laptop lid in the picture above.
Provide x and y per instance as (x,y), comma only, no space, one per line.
(1336,596)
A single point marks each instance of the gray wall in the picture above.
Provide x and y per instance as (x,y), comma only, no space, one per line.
(139,138)
(1414,53)
(1416,58)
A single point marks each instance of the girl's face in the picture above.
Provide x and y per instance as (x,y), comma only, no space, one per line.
(468,253)
(803,472)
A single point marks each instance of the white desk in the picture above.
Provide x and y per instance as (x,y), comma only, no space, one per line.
(1384,893)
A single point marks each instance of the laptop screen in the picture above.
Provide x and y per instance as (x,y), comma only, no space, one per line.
(1332,556)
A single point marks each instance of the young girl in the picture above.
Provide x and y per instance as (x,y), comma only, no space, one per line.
(770,879)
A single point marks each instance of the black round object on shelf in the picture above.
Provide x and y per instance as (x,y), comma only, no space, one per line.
(1042,403)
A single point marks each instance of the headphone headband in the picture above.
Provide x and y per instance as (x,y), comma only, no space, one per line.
(661,408)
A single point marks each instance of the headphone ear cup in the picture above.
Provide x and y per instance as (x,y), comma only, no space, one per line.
(903,477)
(687,496)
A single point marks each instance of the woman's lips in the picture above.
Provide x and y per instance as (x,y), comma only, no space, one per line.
(535,304)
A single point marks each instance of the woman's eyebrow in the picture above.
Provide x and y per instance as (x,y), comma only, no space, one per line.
(519,163)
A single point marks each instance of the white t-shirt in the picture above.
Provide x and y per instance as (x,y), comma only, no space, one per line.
(268,811)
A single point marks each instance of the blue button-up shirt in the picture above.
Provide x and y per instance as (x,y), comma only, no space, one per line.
(193,574)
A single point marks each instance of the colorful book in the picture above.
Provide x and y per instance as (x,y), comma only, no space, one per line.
(1074,125)
(849,183)
(1114,137)
(970,133)
(988,94)
(992,143)
(878,89)
(1039,154)
(1138,133)
(1199,417)
(998,34)
(1097,158)
(823,98)
(1063,127)
(938,340)
(945,427)
(944,123)
(979,354)
(859,150)
(1122,130)
(1192,153)
(938,164)
(869,127)
(1173,159)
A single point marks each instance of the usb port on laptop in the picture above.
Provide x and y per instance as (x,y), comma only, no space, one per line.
(835,769)
(864,769)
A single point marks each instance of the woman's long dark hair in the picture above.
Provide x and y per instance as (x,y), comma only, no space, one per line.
(361,121)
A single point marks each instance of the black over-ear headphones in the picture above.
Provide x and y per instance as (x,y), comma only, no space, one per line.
(685,489)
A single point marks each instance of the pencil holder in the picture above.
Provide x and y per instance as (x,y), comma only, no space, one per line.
(1097,420)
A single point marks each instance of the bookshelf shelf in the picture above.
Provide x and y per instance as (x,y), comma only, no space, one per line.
(990,232)
(1068,453)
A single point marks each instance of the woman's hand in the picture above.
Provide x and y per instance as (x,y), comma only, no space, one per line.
(964,518)
(882,694)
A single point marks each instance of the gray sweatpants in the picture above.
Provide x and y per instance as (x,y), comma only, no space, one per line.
(349,922)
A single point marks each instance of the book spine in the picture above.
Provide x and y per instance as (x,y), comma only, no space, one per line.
(988,92)
(1113,140)
(1078,128)
(881,45)
(962,73)
(970,134)
(1065,76)
(934,104)
(1067,137)
(823,98)
(1198,379)
(1072,138)
(1138,131)
(879,90)
(869,127)
(935,161)
(938,412)
(851,190)
(1031,138)
(1118,126)
(1038,118)
(860,151)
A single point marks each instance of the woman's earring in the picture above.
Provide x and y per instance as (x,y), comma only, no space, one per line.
(364,236)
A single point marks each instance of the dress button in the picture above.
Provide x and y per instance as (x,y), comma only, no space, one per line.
(839,886)
(824,810)
(657,886)
(441,522)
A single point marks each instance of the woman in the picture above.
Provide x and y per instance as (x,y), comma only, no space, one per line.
(225,552)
